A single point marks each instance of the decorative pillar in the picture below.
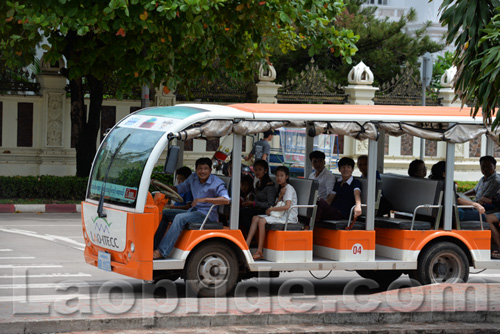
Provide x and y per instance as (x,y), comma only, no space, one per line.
(164,97)
(52,87)
(447,94)
(360,88)
(265,91)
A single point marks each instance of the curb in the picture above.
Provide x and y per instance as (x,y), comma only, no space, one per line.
(477,322)
(40,208)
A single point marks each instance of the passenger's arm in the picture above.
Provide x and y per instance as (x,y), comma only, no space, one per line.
(477,206)
(249,156)
(330,198)
(270,198)
(471,192)
(285,207)
(215,200)
(357,199)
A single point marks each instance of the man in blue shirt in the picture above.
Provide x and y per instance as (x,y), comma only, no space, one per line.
(207,189)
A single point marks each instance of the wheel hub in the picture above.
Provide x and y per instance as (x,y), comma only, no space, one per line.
(212,270)
(446,268)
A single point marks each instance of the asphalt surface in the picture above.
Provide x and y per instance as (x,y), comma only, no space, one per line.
(45,287)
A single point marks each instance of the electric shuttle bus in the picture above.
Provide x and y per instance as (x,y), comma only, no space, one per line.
(426,240)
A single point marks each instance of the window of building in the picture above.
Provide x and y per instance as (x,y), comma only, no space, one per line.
(24,124)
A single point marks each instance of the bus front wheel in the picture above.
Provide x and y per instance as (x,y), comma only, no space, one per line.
(443,262)
(212,270)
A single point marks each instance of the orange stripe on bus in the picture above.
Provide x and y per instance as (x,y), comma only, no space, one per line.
(190,238)
(416,240)
(289,240)
(342,239)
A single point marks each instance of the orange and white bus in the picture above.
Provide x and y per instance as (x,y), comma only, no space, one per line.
(423,239)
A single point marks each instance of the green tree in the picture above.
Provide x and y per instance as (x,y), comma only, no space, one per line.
(383,45)
(474,29)
(153,41)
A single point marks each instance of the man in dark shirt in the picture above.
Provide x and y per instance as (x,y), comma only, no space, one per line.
(346,193)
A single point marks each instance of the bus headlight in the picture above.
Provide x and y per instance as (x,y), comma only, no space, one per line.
(132,247)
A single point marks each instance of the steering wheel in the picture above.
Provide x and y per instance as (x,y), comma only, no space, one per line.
(167,191)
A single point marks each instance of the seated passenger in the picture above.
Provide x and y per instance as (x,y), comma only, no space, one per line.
(277,214)
(207,189)
(181,175)
(265,196)
(363,166)
(247,192)
(346,193)
(325,178)
(438,172)
(417,168)
(488,185)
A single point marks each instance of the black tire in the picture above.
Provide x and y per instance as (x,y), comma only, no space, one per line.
(443,262)
(384,278)
(212,270)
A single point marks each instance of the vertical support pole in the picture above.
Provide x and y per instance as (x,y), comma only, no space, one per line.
(309,149)
(380,151)
(372,184)
(448,186)
(422,149)
(489,146)
(236,181)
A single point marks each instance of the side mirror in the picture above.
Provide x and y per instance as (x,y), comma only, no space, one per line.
(172,158)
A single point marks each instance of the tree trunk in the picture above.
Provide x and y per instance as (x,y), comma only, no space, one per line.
(78,120)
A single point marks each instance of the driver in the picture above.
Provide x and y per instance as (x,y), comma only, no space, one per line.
(207,189)
(181,175)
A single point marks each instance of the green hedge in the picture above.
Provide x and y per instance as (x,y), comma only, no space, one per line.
(61,188)
(464,186)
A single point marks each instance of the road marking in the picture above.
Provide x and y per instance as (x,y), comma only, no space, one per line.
(17,257)
(61,285)
(43,298)
(5,250)
(51,275)
(11,266)
(54,238)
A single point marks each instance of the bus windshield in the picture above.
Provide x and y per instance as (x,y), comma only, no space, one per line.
(124,172)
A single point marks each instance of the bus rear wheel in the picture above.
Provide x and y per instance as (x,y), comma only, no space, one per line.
(443,262)
(212,270)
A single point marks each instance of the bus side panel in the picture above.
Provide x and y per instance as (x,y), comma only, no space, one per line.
(189,239)
(288,246)
(136,259)
(405,245)
(341,245)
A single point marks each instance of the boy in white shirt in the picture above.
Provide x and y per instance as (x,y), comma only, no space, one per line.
(325,178)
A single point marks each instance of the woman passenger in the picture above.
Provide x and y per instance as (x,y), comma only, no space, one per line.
(288,195)
(265,196)
(417,168)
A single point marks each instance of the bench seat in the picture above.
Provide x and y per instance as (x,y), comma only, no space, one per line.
(281,227)
(401,223)
(208,226)
(473,225)
(337,225)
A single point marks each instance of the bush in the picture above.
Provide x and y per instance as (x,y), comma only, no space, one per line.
(45,186)
(59,188)
(464,186)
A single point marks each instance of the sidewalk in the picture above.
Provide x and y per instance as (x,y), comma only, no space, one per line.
(40,208)
(445,308)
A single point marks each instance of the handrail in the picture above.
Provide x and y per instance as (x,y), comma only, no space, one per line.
(206,217)
(423,206)
(350,215)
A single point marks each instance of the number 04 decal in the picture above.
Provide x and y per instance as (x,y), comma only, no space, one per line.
(357,249)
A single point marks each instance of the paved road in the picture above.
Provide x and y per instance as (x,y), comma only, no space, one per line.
(43,277)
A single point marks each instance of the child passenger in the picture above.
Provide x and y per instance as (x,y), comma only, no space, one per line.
(287,194)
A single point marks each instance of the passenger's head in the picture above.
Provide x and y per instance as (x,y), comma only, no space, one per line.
(438,171)
(182,174)
(260,169)
(282,174)
(246,183)
(317,160)
(488,165)
(346,167)
(363,164)
(268,134)
(417,168)
(203,168)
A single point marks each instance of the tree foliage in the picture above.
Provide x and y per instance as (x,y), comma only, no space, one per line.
(153,41)
(383,45)
(474,29)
